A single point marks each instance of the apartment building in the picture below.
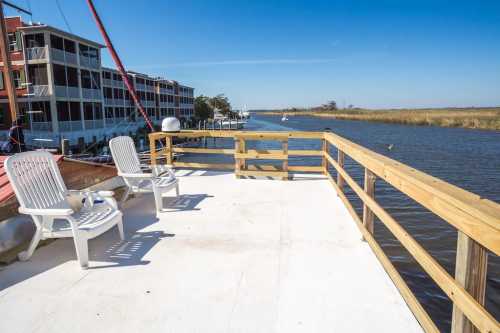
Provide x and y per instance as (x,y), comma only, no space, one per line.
(64,92)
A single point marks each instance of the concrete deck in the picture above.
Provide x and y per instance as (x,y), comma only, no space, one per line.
(231,256)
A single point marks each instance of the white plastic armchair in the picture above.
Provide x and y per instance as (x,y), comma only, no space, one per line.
(41,193)
(159,180)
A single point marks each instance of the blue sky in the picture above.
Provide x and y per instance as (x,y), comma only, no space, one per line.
(269,54)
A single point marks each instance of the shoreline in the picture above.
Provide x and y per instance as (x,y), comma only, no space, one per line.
(472,118)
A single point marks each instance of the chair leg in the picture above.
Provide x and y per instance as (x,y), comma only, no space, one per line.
(120,229)
(125,196)
(158,200)
(82,250)
(25,255)
(177,189)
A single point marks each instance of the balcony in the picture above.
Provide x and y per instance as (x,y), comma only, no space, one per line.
(89,62)
(70,126)
(91,94)
(42,126)
(63,56)
(67,92)
(37,53)
(140,86)
(39,90)
(94,124)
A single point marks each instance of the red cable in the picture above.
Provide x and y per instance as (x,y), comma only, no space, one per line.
(119,64)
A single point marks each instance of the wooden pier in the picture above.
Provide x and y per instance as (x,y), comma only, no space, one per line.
(476,220)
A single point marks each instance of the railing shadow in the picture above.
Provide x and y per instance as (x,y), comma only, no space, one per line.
(184,202)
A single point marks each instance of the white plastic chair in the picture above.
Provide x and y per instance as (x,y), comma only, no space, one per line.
(41,193)
(160,180)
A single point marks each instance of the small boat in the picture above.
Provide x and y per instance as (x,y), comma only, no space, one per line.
(284,118)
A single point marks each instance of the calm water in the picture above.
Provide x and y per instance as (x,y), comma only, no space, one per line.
(467,158)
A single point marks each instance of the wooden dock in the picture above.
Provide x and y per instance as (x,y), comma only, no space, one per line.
(477,220)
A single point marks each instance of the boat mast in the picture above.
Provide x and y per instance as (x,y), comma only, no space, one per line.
(119,65)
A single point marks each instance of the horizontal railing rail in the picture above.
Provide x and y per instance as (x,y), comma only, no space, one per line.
(477,220)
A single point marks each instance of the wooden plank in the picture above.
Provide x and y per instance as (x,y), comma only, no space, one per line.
(470,271)
(274,174)
(411,300)
(168,150)
(368,216)
(256,155)
(305,168)
(324,149)
(152,149)
(341,161)
(203,150)
(296,152)
(263,167)
(208,166)
(478,218)
(284,164)
(474,311)
(237,161)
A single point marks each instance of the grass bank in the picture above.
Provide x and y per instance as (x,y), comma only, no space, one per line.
(479,118)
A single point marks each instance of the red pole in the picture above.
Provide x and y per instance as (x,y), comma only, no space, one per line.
(119,65)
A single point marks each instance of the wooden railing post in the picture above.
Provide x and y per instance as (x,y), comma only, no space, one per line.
(152,149)
(368,215)
(239,148)
(168,150)
(285,161)
(340,161)
(470,272)
(324,148)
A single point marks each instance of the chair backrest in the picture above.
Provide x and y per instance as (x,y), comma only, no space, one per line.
(124,154)
(36,180)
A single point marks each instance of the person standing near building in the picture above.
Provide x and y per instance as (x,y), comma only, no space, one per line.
(15,141)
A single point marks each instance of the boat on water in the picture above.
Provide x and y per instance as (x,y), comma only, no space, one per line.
(284,117)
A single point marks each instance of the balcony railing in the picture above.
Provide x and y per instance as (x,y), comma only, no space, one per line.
(69,126)
(39,90)
(44,126)
(36,53)
(89,62)
(91,93)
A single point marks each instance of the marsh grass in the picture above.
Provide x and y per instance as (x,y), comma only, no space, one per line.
(479,118)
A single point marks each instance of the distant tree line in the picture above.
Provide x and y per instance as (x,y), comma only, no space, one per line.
(205,107)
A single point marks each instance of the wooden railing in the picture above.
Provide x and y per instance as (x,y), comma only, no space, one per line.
(477,220)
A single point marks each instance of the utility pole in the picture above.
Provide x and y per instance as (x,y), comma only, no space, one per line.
(7,69)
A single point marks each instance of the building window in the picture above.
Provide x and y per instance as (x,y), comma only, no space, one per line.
(37,74)
(14,41)
(72,76)
(109,112)
(88,113)
(62,111)
(34,40)
(74,111)
(106,75)
(98,111)
(96,80)
(85,76)
(69,46)
(59,75)
(40,112)
(108,92)
(19,79)
(56,42)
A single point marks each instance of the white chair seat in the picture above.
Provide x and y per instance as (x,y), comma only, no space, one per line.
(41,193)
(97,220)
(132,171)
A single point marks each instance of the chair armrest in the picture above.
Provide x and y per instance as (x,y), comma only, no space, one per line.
(46,212)
(136,175)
